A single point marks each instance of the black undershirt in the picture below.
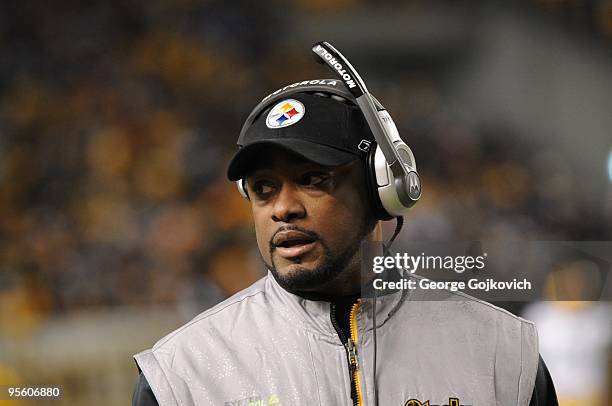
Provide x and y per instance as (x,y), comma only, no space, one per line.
(343,312)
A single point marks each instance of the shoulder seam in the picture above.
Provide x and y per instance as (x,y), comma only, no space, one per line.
(201,317)
(483,302)
(492,306)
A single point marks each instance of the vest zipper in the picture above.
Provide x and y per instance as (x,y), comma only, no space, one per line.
(351,350)
(352,342)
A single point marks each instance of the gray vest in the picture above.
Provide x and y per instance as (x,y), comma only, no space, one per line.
(265,346)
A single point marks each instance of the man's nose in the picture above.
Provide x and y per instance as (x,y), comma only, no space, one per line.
(287,205)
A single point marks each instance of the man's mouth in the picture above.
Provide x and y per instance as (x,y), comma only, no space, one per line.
(293,243)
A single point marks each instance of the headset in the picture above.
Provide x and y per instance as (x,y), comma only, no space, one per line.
(393,183)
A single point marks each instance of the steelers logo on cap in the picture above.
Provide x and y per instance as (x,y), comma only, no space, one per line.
(285,113)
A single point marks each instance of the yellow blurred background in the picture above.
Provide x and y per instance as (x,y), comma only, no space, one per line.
(117,119)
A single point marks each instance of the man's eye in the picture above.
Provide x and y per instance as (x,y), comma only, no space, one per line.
(314,178)
(263,188)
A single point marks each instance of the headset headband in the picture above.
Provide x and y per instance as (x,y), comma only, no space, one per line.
(397,157)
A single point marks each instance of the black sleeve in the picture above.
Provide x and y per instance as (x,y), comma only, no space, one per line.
(544,393)
(143,395)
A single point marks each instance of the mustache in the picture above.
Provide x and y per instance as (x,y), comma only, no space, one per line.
(309,233)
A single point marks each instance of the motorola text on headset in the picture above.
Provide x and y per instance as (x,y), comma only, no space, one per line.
(393,182)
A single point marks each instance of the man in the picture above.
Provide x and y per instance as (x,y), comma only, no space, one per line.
(303,334)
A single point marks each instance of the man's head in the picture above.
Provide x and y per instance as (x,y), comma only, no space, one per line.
(310,221)
(302,160)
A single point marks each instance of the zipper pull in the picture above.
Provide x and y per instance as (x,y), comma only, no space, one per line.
(352,350)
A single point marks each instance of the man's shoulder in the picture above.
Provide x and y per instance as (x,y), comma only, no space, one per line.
(491,310)
(218,317)
(459,302)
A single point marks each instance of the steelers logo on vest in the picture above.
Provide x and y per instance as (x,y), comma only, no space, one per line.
(451,402)
(285,113)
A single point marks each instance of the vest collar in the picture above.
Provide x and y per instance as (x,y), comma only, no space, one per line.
(315,315)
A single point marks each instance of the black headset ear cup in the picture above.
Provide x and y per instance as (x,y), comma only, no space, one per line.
(372,186)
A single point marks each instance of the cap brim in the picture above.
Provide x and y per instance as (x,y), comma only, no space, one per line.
(324,155)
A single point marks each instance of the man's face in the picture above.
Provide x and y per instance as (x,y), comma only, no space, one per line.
(310,221)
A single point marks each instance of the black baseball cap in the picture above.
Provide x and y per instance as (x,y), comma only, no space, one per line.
(322,128)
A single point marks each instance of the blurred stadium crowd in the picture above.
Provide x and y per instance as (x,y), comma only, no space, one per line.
(117,120)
